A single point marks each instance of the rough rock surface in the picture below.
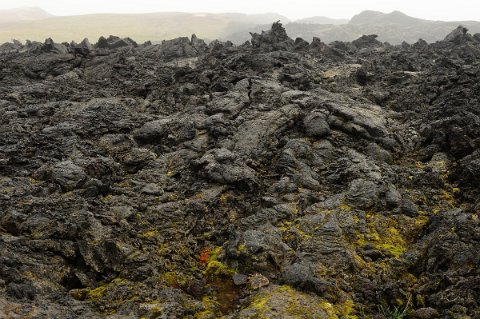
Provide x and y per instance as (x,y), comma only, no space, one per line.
(277,179)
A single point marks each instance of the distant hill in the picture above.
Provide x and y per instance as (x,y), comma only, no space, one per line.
(321,20)
(376,17)
(23,14)
(394,27)
(141,27)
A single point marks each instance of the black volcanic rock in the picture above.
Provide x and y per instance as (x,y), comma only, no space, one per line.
(276,179)
(114,42)
(53,47)
(459,35)
(84,47)
(274,39)
(367,41)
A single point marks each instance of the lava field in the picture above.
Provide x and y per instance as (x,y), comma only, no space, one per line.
(275,179)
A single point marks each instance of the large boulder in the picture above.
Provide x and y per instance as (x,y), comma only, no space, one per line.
(367,41)
(459,35)
(274,39)
(68,175)
(316,125)
(53,47)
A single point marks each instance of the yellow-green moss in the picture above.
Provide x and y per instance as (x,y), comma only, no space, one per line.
(163,249)
(96,293)
(124,183)
(107,198)
(223,198)
(172,197)
(210,309)
(328,307)
(346,309)
(388,240)
(205,314)
(345,207)
(216,268)
(421,221)
(286,301)
(170,278)
(242,248)
(449,198)
(106,292)
(150,234)
(34,181)
(175,279)
(215,253)
(292,231)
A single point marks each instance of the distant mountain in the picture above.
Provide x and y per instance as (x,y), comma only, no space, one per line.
(394,27)
(376,17)
(23,14)
(321,20)
(141,27)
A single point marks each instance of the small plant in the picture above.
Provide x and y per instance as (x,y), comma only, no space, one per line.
(396,312)
(361,312)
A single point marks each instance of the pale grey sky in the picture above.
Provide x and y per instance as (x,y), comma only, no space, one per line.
(427,9)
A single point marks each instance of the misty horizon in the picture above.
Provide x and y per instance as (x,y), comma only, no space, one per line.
(289,19)
(37,24)
(345,9)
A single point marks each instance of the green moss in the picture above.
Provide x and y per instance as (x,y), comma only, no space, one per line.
(346,309)
(153,309)
(449,198)
(124,183)
(150,234)
(163,250)
(107,297)
(345,207)
(421,221)
(34,181)
(205,314)
(396,251)
(285,301)
(96,293)
(170,278)
(383,235)
(215,253)
(242,248)
(216,268)
(223,198)
(328,307)
(107,198)
(291,231)
(210,310)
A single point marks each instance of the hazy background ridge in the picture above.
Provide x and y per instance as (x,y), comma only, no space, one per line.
(36,24)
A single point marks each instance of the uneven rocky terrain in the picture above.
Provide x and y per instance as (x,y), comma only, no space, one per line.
(277,179)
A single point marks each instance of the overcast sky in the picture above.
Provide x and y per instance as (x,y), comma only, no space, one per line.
(427,9)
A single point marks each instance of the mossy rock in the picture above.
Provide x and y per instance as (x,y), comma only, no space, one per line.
(287,303)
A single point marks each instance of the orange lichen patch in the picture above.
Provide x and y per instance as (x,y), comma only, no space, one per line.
(204,256)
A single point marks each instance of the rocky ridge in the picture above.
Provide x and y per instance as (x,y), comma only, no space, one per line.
(276,179)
